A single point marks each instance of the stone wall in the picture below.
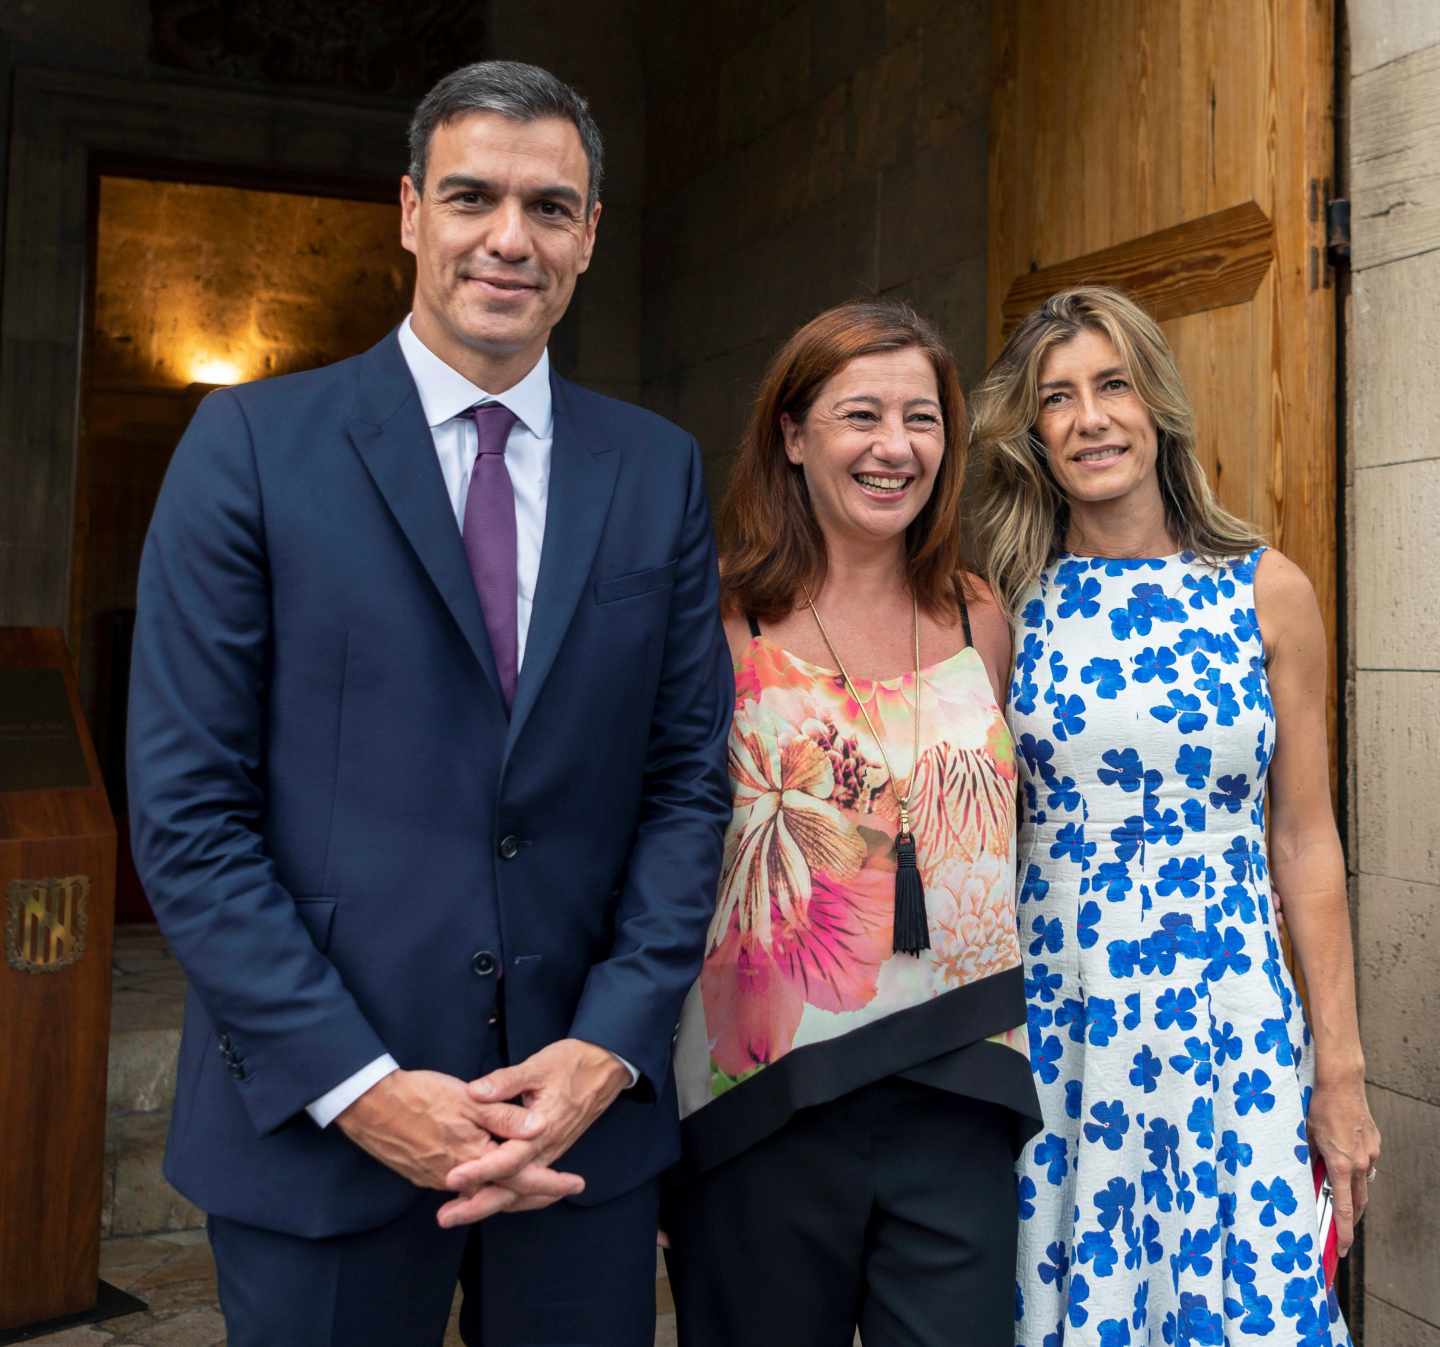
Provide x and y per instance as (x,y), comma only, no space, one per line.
(1393,344)
(798,155)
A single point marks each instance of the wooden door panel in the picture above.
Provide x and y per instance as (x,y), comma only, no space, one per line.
(1182,150)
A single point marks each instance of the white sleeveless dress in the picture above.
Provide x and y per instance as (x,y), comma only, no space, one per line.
(1168,1197)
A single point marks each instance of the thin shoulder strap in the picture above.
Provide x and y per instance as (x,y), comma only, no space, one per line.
(964,616)
(754,625)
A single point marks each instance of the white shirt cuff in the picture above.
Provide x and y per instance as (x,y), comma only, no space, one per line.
(634,1074)
(334,1102)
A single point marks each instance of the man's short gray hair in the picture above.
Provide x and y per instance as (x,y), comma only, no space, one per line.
(524,93)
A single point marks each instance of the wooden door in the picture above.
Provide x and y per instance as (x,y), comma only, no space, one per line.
(1181,149)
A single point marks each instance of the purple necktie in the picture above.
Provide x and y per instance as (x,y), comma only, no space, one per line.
(489,536)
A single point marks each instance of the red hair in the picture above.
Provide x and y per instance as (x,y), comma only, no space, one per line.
(770,541)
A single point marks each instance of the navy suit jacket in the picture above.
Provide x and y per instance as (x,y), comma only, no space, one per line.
(333,816)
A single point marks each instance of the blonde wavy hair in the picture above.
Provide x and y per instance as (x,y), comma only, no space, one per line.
(1018,516)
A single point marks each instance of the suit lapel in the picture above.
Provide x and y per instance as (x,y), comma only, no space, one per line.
(389,433)
(582,479)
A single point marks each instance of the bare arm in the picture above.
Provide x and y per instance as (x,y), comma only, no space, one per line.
(1308,867)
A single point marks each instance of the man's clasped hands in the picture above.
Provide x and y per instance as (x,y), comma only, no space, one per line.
(493,1140)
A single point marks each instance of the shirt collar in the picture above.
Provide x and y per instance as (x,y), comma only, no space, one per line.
(445,393)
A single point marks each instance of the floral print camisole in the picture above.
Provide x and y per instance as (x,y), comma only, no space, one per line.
(801,998)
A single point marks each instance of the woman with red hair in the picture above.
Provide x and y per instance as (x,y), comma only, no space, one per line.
(851,1064)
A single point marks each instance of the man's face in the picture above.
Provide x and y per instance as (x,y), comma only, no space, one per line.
(499,237)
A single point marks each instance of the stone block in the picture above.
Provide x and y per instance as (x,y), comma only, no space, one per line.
(1394,353)
(953,298)
(138,1200)
(1382,30)
(956,75)
(844,37)
(1397,566)
(885,101)
(1397,748)
(763,79)
(1402,1225)
(1399,968)
(1386,1326)
(932,208)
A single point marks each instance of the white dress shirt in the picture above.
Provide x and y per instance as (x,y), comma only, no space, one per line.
(445,396)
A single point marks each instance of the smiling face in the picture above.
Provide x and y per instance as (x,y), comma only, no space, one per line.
(1099,437)
(499,237)
(871,445)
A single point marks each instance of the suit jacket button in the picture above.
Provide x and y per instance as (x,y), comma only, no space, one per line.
(484,964)
(509,847)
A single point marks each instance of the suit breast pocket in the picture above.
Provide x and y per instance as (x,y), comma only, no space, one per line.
(631,586)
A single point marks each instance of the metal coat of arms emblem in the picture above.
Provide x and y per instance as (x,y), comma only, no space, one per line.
(45,922)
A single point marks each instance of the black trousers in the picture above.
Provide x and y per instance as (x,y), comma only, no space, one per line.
(891,1209)
(565,1276)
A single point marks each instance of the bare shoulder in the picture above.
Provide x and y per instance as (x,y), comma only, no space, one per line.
(990,633)
(737,633)
(1285,605)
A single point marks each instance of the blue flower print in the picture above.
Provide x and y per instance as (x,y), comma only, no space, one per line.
(1274,1036)
(1220,695)
(1079,597)
(1152,663)
(1194,813)
(1226,1043)
(1106,675)
(1203,591)
(1194,1255)
(1052,1154)
(1141,1309)
(1041,984)
(1025,1196)
(1234,1154)
(1237,902)
(1187,707)
(1034,888)
(1122,624)
(1145,1070)
(1056,1264)
(1256,685)
(1058,672)
(1247,626)
(1238,1264)
(1100,1026)
(1243,568)
(1257,1321)
(1182,876)
(1196,1057)
(1114,1333)
(1063,794)
(1022,693)
(1070,715)
(1049,935)
(1252,1091)
(1113,1202)
(1110,1125)
(1028,656)
(1152,602)
(1162,1140)
(1114,879)
(1293,1251)
(1085,933)
(1193,763)
(1154,1250)
(1201,1121)
(1196,1323)
(1074,1091)
(1070,844)
(1079,1293)
(1044,1055)
(1037,754)
(1122,768)
(1071,1013)
(1132,1011)
(1299,1297)
(1278,1199)
(1020,1301)
(1097,1247)
(1227,954)
(1033,614)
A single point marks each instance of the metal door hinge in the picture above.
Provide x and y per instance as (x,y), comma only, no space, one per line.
(1337,230)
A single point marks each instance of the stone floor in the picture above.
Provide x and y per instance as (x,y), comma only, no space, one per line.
(175,1276)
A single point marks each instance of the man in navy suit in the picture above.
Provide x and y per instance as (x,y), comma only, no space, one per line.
(427,775)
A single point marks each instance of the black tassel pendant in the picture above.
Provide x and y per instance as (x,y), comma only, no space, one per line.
(912,922)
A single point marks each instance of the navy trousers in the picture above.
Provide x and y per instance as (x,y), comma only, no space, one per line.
(565,1276)
(892,1209)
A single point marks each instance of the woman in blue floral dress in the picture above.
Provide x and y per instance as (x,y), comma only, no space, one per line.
(1169,680)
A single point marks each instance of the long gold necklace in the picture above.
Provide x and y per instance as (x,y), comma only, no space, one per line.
(912,925)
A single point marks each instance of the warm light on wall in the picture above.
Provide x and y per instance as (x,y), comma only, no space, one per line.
(215,372)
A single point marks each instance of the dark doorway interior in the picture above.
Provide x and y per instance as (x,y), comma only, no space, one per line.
(196,285)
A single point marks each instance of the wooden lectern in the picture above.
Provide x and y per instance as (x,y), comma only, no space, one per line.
(57,901)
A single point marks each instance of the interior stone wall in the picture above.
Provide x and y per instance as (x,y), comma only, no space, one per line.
(1393,345)
(799,154)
